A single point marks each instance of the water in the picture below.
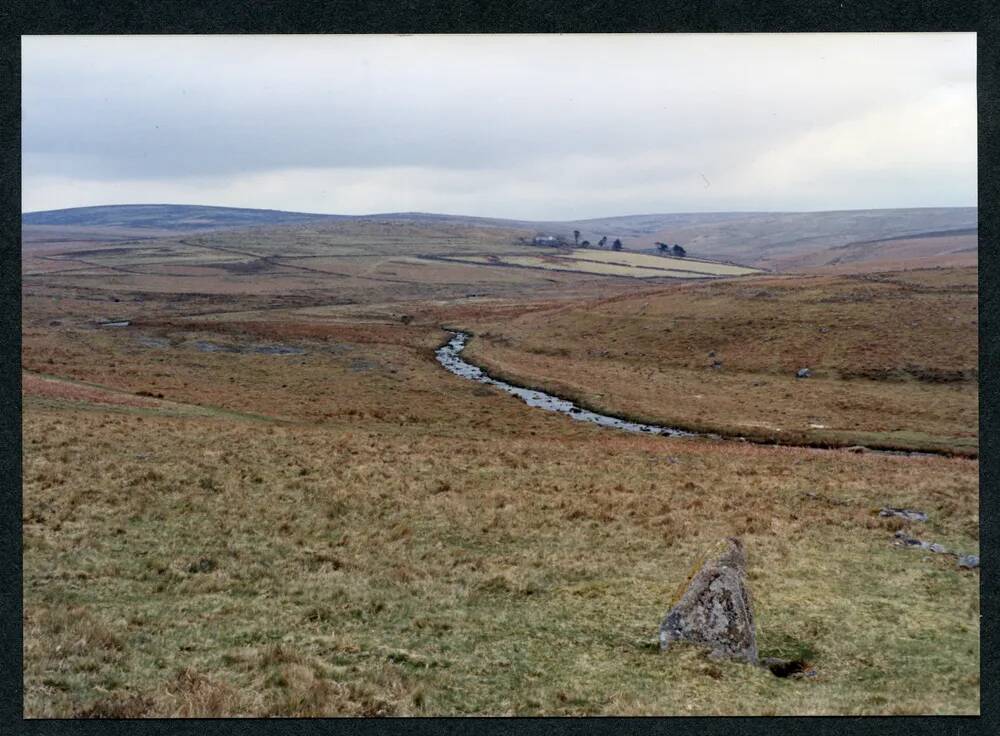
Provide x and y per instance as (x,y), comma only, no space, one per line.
(448,356)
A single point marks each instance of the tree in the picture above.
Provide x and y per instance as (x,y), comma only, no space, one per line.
(678,251)
(585,244)
(603,241)
(662,247)
(617,245)
(576,237)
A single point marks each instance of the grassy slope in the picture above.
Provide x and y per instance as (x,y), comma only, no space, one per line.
(380,537)
(893,356)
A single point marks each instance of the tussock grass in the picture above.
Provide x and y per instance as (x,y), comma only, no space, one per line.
(383,538)
(406,573)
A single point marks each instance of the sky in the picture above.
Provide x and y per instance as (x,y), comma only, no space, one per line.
(518,126)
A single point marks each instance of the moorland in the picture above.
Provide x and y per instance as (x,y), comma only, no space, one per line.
(250,489)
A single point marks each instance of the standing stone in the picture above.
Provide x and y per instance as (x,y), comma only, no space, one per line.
(715,609)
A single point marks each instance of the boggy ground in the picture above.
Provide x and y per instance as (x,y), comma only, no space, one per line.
(354,531)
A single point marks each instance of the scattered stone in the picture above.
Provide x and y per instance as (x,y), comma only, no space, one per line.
(908,514)
(857,449)
(803,373)
(904,539)
(715,609)
(968,562)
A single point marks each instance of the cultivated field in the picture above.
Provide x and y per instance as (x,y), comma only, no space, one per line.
(264,497)
(609,263)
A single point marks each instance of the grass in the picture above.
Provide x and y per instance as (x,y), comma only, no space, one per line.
(456,575)
(893,358)
(403,542)
(604,263)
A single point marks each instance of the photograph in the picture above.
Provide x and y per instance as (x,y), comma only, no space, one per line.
(543,374)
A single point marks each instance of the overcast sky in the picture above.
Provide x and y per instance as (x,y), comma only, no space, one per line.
(534,127)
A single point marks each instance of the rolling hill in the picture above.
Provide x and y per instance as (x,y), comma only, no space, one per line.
(772,240)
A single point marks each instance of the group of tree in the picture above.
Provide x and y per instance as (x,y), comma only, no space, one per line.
(676,250)
(616,245)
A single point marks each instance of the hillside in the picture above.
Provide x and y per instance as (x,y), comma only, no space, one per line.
(775,240)
(892,357)
(165,217)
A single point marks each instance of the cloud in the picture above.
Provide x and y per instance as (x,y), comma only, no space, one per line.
(522,126)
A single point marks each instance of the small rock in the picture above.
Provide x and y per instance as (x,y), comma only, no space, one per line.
(968,562)
(803,373)
(716,364)
(908,514)
(716,610)
(908,541)
(711,354)
(857,449)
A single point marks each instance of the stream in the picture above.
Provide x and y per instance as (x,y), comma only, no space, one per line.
(449,356)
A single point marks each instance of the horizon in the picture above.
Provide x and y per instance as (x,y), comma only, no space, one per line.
(493,217)
(525,127)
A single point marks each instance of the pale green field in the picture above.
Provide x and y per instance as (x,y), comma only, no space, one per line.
(559,263)
(644,260)
(604,263)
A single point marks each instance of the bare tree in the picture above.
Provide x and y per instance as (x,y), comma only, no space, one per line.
(576,237)
(603,241)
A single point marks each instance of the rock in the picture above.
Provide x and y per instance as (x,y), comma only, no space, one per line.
(711,354)
(857,449)
(968,562)
(803,373)
(717,364)
(906,540)
(908,514)
(715,609)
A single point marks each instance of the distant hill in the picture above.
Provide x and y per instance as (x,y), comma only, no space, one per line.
(166,217)
(776,240)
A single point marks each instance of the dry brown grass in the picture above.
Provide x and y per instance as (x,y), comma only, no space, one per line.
(355,531)
(894,357)
(459,569)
